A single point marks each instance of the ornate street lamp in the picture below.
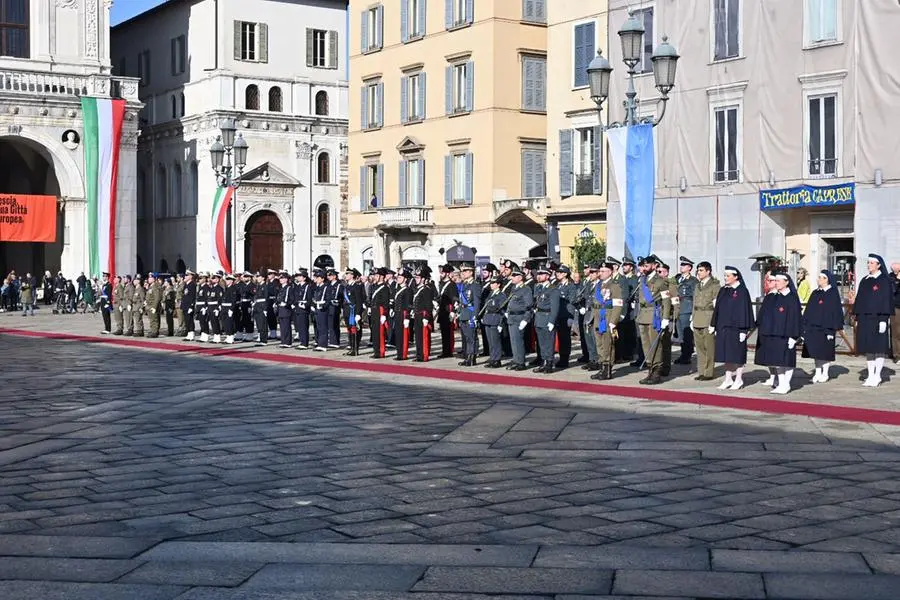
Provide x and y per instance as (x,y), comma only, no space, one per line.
(664,59)
(228,155)
(585,235)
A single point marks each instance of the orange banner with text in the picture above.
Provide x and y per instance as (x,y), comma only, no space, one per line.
(27,218)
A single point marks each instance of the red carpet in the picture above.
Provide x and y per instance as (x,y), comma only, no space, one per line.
(784,407)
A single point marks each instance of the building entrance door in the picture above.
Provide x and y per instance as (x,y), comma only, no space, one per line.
(840,258)
(263,242)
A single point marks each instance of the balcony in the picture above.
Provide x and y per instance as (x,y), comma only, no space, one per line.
(414,218)
(508,209)
(64,86)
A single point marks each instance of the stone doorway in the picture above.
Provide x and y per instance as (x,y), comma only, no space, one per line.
(264,242)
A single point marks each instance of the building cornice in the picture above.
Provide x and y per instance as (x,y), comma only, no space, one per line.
(737,87)
(823,77)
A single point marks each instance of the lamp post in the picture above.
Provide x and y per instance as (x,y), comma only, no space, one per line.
(229,157)
(664,59)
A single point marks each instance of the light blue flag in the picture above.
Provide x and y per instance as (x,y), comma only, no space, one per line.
(634,164)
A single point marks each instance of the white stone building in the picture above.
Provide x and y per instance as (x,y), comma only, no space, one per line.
(278,68)
(51,53)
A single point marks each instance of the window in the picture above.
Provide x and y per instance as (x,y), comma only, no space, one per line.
(179,55)
(195,189)
(460,90)
(321,49)
(534,83)
(371,187)
(534,11)
(822,127)
(412,20)
(583,162)
(458,13)
(583,53)
(726,143)
(323,168)
(144,67)
(645,16)
(726,18)
(372,29)
(251,97)
(275,104)
(162,206)
(176,209)
(821,21)
(174,106)
(412,98)
(251,41)
(122,69)
(14,29)
(580,169)
(182,104)
(142,195)
(323,220)
(372,105)
(534,167)
(412,182)
(458,182)
(322,103)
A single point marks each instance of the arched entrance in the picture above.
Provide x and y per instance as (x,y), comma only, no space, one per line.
(263,242)
(26,169)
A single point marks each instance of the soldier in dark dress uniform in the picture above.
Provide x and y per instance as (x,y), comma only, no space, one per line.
(519,313)
(531,340)
(260,308)
(732,321)
(188,298)
(214,307)
(271,293)
(354,306)
(565,317)
(873,307)
(169,305)
(402,308)
(284,304)
(106,307)
(546,312)
(448,296)
(779,329)
(488,272)
(627,343)
(492,319)
(506,269)
(335,296)
(320,310)
(230,301)
(379,309)
(424,304)
(247,291)
(822,320)
(686,283)
(200,303)
(303,293)
(586,322)
(469,307)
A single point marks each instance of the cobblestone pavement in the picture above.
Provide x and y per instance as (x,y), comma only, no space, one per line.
(160,475)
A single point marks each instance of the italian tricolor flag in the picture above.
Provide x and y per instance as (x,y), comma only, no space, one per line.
(218,228)
(102,133)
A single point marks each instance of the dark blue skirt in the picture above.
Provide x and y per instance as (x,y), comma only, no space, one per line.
(868,340)
(772,351)
(816,344)
(729,348)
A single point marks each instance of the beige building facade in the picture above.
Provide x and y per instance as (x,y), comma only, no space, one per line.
(771,96)
(576,158)
(447,141)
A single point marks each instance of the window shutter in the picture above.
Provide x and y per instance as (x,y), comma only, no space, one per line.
(421,19)
(470,183)
(470,85)
(527,169)
(421,93)
(527,83)
(597,174)
(379,29)
(470,11)
(403,172)
(309,46)
(364,31)
(565,162)
(540,83)
(379,184)
(448,14)
(584,52)
(174,57)
(404,20)
(149,67)
(448,180)
(263,42)
(577,53)
(363,191)
(540,11)
(404,99)
(182,54)
(540,176)
(379,103)
(237,40)
(528,10)
(364,108)
(332,50)
(448,90)
(421,182)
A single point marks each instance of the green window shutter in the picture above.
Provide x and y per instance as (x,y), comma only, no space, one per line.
(263,39)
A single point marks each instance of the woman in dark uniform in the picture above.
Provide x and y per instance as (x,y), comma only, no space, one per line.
(731,322)
(873,307)
(779,328)
(767,306)
(822,319)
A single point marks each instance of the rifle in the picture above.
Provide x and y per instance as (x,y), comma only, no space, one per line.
(655,344)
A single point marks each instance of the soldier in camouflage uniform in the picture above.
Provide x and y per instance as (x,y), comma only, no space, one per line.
(654,315)
(607,306)
(703,301)
(152,302)
(179,314)
(138,298)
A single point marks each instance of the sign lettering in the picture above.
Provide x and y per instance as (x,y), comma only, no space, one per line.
(842,194)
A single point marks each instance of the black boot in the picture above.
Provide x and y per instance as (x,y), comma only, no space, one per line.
(548,367)
(608,371)
(646,380)
(599,375)
(542,368)
(537,362)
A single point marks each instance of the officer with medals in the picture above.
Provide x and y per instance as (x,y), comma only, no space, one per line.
(518,316)
(354,303)
(469,307)
(200,303)
(654,304)
(303,292)
(448,296)
(402,311)
(607,307)
(334,295)
(492,319)
(106,307)
(424,304)
(229,304)
(546,315)
(687,284)
(379,309)
(704,302)
(320,310)
(247,291)
(260,308)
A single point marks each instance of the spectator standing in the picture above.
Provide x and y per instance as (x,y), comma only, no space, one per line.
(895,325)
(804,290)
(27,291)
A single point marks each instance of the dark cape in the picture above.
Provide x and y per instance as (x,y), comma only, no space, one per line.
(732,316)
(822,318)
(874,304)
(779,320)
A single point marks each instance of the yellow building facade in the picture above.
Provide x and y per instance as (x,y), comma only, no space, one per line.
(448,130)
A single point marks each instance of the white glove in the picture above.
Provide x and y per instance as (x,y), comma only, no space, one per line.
(742,337)
(582,310)
(405,323)
(392,313)
(230,313)
(711,329)
(523,325)
(358,319)
(202,311)
(611,326)
(791,343)
(152,311)
(829,337)
(550,326)
(664,323)
(570,322)
(500,328)
(190,311)
(882,327)
(692,322)
(121,308)
(383,319)
(129,307)
(425,323)
(452,316)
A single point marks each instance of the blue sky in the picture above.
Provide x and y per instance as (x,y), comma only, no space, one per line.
(125,9)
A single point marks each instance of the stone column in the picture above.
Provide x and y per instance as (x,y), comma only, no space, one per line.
(396,255)
(379,249)
(75,256)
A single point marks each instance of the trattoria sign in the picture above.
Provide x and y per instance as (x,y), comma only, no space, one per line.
(808,196)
